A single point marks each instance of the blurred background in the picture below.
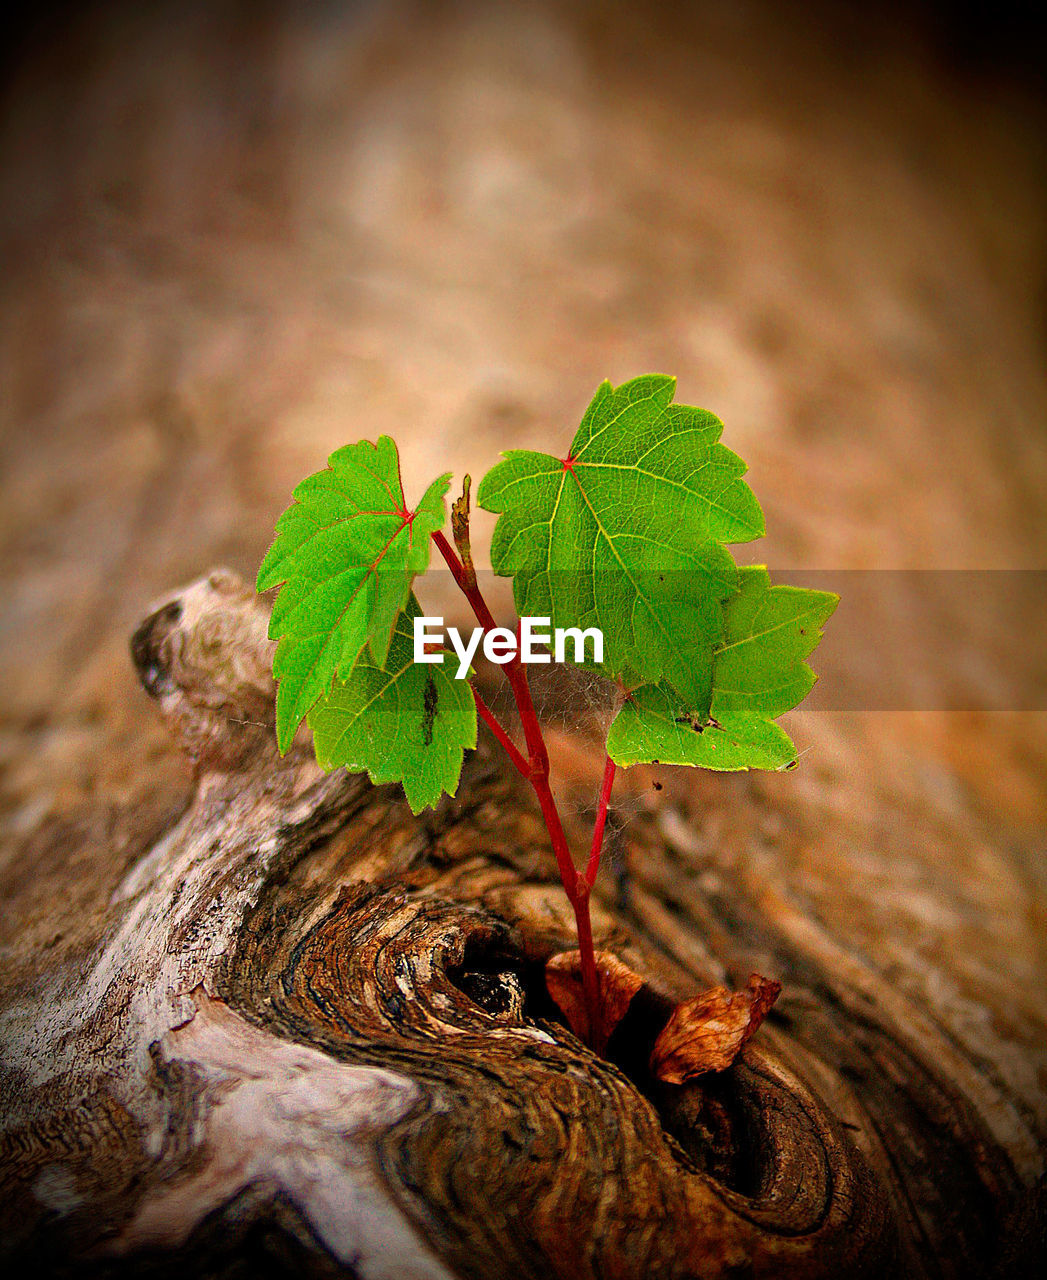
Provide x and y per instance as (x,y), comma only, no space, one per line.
(236,236)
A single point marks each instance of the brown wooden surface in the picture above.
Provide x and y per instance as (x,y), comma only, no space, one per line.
(306,1002)
(255,1017)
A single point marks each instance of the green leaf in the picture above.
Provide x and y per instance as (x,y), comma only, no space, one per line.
(758,673)
(346,551)
(401,721)
(626,533)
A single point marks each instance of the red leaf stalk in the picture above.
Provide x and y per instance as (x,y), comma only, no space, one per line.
(536,770)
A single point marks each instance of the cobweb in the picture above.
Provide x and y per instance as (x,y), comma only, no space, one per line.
(575,706)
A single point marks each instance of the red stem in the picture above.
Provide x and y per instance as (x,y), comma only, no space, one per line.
(601,821)
(590,976)
(536,771)
(494,724)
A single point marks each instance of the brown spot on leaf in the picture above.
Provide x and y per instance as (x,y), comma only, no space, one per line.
(429,701)
(692,722)
(707,1032)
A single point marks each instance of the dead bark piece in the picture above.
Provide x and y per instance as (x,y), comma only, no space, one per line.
(204,654)
(708,1032)
(618,985)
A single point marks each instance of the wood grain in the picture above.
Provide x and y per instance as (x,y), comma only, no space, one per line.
(319,1019)
(236,237)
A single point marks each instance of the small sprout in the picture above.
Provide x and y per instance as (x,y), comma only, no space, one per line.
(630,527)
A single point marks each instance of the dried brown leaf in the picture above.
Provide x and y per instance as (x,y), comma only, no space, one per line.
(460,528)
(618,985)
(707,1032)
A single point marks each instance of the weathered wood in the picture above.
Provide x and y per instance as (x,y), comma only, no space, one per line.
(237,236)
(313,1030)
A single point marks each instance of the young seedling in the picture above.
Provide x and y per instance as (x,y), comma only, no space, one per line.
(623,539)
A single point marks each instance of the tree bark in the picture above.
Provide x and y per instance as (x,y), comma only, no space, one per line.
(274,1024)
